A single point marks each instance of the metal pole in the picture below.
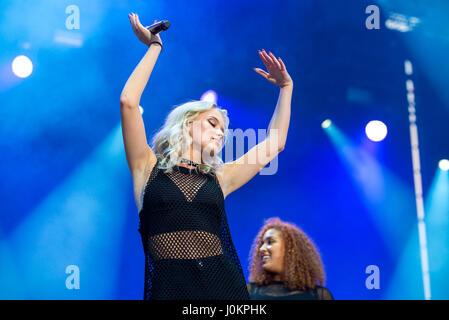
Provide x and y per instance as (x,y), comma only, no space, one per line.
(417,180)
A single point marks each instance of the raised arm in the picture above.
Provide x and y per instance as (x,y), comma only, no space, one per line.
(235,174)
(138,152)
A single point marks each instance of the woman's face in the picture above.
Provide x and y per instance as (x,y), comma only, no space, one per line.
(207,132)
(272,252)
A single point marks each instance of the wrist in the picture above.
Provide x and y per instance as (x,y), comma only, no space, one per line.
(155,43)
(287,86)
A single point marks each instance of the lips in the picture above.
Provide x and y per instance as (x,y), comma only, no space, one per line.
(216,141)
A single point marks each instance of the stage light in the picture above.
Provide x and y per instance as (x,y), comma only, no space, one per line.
(326,124)
(22,66)
(141,110)
(210,96)
(65,233)
(444,165)
(384,194)
(376,130)
(401,23)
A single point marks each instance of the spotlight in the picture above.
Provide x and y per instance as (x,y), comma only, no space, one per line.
(326,124)
(376,130)
(210,96)
(22,66)
(141,110)
(444,165)
(401,23)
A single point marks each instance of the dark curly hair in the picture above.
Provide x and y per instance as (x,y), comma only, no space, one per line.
(303,268)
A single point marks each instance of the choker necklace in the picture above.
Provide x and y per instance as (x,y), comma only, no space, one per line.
(189,162)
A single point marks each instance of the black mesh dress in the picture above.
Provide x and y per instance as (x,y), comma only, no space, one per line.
(188,249)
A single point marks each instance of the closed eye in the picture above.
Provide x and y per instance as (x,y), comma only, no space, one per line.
(214,125)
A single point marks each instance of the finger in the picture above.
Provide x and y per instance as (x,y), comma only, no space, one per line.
(138,22)
(275,60)
(264,60)
(261,72)
(267,57)
(282,64)
(131,19)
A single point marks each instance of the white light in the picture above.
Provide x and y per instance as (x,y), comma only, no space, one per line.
(444,165)
(22,66)
(410,86)
(69,38)
(326,124)
(401,22)
(141,110)
(210,96)
(396,25)
(408,67)
(376,130)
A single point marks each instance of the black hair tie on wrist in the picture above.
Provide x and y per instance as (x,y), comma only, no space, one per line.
(157,43)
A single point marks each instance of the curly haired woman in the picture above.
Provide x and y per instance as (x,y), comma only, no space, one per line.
(180,184)
(285,265)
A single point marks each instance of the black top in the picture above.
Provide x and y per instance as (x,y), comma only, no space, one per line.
(188,248)
(277,291)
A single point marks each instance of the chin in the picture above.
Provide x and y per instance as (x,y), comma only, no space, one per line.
(213,148)
(208,151)
(267,268)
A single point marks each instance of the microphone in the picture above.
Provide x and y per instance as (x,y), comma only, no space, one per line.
(158,26)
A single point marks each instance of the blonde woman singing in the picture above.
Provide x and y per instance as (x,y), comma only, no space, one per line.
(180,184)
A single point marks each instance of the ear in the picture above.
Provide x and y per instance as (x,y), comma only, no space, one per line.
(189,127)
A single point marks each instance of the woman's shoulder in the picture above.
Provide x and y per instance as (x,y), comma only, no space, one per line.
(323,293)
(251,286)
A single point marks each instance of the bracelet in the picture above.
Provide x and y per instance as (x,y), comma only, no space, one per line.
(157,43)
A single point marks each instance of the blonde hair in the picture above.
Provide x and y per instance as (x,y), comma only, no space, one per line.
(168,143)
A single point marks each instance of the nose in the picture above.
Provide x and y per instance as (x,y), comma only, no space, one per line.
(263,249)
(219,137)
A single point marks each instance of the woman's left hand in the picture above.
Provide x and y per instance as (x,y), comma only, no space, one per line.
(277,73)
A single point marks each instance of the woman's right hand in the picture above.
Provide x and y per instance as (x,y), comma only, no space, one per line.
(141,32)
